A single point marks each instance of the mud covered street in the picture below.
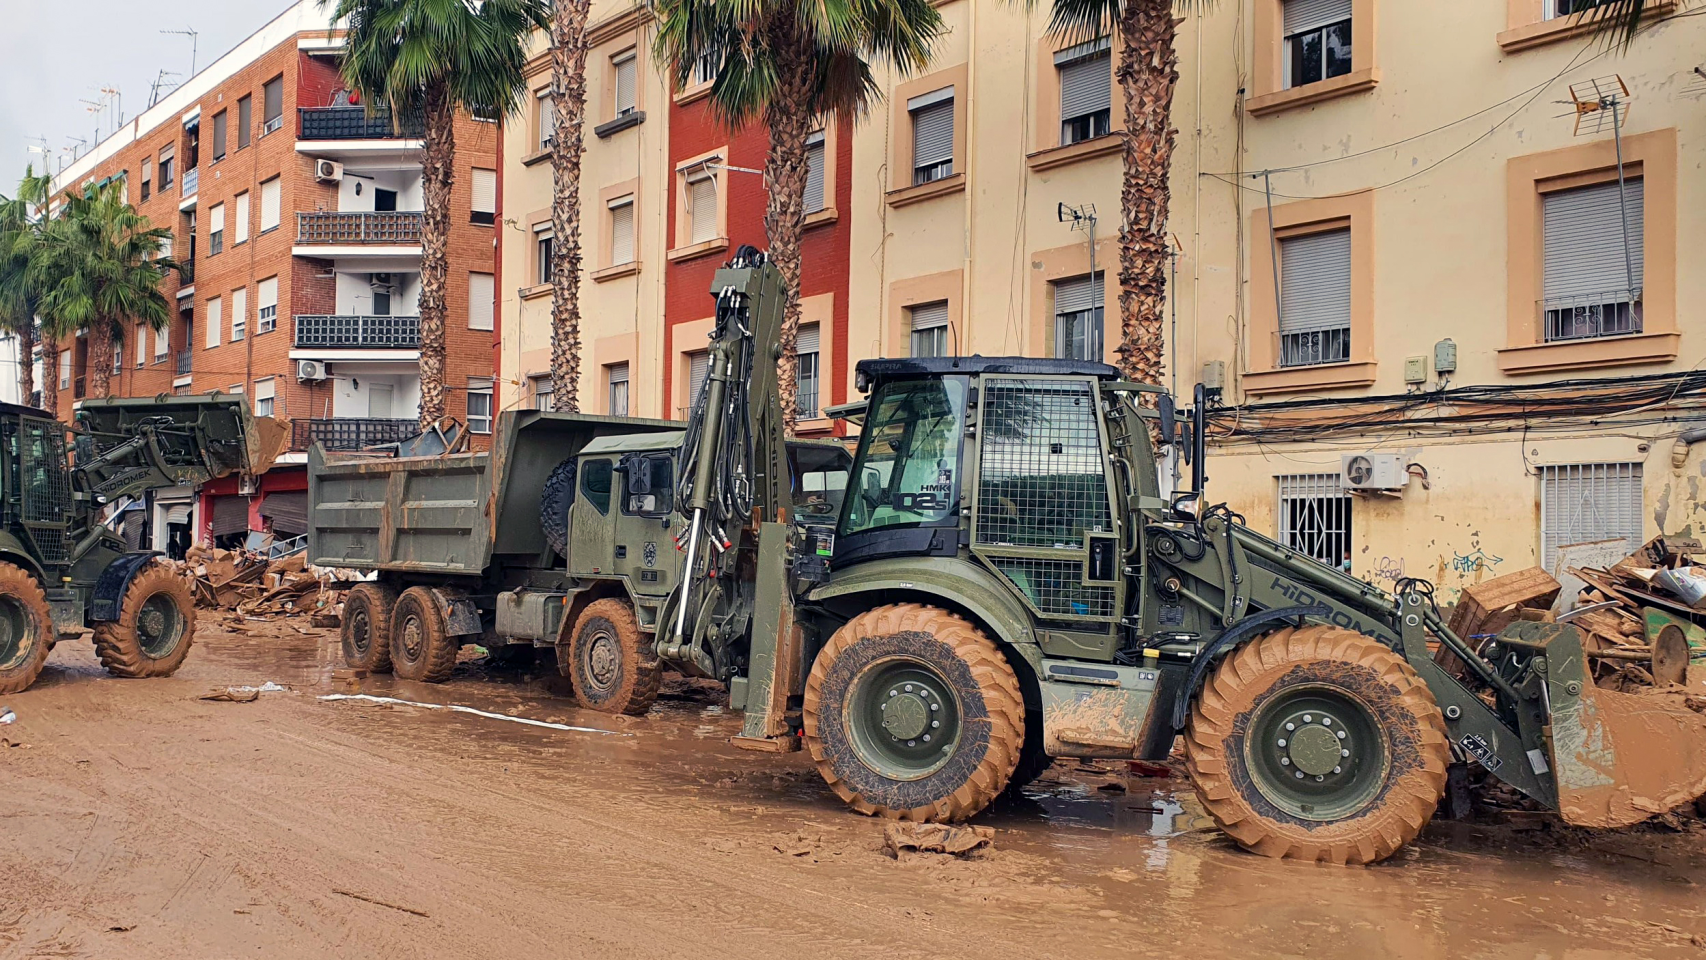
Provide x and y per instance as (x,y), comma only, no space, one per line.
(142,821)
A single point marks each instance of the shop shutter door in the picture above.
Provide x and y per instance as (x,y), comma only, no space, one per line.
(230,515)
(288,510)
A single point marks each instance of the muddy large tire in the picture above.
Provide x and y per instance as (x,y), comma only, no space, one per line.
(1033,762)
(26,628)
(154,629)
(912,713)
(554,503)
(1318,743)
(611,664)
(420,647)
(366,631)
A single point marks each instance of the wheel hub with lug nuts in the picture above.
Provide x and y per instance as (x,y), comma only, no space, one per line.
(910,713)
(153,622)
(1314,744)
(602,659)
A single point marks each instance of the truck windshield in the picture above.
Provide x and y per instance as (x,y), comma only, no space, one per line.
(907,471)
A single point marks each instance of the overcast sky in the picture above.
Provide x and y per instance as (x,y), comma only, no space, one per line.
(55,53)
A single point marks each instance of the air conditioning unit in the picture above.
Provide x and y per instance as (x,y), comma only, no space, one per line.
(310,370)
(328,171)
(1373,471)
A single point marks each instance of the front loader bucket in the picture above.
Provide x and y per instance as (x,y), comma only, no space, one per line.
(193,440)
(1619,758)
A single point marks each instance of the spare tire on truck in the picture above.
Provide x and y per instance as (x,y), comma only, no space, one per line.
(554,503)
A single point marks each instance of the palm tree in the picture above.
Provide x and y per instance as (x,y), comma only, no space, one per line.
(568,108)
(1147,70)
(1618,20)
(433,58)
(98,266)
(790,65)
(21,220)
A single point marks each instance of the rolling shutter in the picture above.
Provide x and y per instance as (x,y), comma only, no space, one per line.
(1078,295)
(1315,282)
(1302,16)
(288,510)
(814,172)
(698,366)
(230,515)
(485,191)
(928,316)
(269,204)
(622,231)
(481,293)
(807,340)
(1584,241)
(1086,79)
(702,208)
(241,226)
(215,320)
(932,127)
(625,85)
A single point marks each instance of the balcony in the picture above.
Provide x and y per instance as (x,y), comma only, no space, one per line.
(345,331)
(350,433)
(353,123)
(183,364)
(363,227)
(191,182)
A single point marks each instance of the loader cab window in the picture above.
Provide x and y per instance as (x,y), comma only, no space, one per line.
(820,482)
(596,482)
(907,470)
(650,485)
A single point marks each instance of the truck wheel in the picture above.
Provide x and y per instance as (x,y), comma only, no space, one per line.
(26,628)
(912,713)
(367,627)
(154,629)
(612,665)
(554,503)
(420,648)
(1033,761)
(1318,743)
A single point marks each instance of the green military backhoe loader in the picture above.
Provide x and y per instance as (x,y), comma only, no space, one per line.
(62,569)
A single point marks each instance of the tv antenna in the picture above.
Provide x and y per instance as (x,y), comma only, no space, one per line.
(194,41)
(1083,217)
(161,83)
(1601,103)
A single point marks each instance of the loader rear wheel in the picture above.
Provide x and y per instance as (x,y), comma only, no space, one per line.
(555,500)
(420,647)
(912,713)
(1318,743)
(610,662)
(154,629)
(26,628)
(367,627)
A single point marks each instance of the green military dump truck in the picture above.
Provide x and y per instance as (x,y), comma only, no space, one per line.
(62,569)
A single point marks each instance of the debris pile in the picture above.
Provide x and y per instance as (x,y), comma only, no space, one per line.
(249,583)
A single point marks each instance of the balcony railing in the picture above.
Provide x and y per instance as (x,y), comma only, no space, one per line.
(1308,348)
(353,331)
(350,433)
(78,388)
(353,123)
(183,365)
(360,227)
(1614,313)
(191,181)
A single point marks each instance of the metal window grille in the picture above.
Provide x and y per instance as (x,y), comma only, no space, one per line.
(1584,502)
(806,351)
(618,380)
(930,329)
(1042,481)
(815,173)
(1593,281)
(705,68)
(1315,517)
(932,135)
(1315,299)
(1077,316)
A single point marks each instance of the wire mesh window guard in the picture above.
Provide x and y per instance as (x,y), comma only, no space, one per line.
(1585,502)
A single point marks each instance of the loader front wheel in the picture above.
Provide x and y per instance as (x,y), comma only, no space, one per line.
(1318,743)
(610,662)
(420,647)
(26,628)
(154,629)
(367,627)
(912,713)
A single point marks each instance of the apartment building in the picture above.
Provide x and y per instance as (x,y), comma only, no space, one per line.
(668,193)
(297,217)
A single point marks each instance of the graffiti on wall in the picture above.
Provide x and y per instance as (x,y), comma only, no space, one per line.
(1389,568)
(1475,561)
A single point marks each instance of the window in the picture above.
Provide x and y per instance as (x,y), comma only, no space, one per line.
(219,136)
(216,229)
(1595,261)
(168,153)
(162,343)
(616,389)
(705,69)
(658,469)
(932,135)
(547,114)
(147,175)
(544,247)
(1078,306)
(1564,8)
(542,388)
(806,353)
(481,292)
(1315,299)
(484,206)
(907,470)
(272,105)
(1585,502)
(64,369)
(1086,90)
(239,312)
(236,389)
(215,321)
(266,299)
(701,206)
(622,230)
(245,118)
(698,369)
(141,344)
(118,357)
(596,478)
(269,205)
(479,405)
(1315,517)
(241,230)
(1317,40)
(626,86)
(264,397)
(930,329)
(815,200)
(380,289)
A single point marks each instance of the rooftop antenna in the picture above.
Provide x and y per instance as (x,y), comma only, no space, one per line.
(1083,217)
(1600,103)
(160,82)
(193,35)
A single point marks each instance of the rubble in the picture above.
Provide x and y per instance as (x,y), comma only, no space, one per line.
(252,584)
(955,840)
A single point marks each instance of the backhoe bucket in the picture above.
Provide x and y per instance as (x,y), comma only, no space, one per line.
(1619,758)
(189,440)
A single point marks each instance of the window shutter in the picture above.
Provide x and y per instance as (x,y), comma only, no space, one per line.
(618,373)
(1584,241)
(269,204)
(1077,295)
(242,215)
(485,191)
(141,344)
(622,232)
(168,153)
(698,367)
(702,200)
(216,220)
(266,293)
(625,75)
(215,320)
(1584,502)
(1315,282)
(480,294)
(1302,16)
(928,316)
(1086,85)
(272,99)
(933,132)
(806,342)
(814,172)
(547,119)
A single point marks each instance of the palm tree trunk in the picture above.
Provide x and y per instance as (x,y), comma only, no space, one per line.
(100,358)
(785,169)
(50,373)
(26,360)
(437,174)
(1147,72)
(568,104)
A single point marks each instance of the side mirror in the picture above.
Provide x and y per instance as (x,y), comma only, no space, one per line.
(1185,433)
(1169,419)
(639,473)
